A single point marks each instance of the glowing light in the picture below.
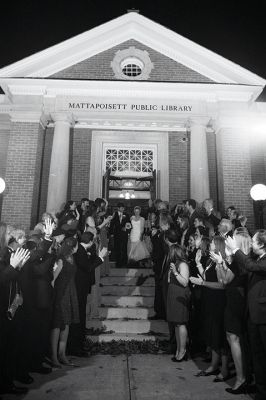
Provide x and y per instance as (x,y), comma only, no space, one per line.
(258,192)
(2,185)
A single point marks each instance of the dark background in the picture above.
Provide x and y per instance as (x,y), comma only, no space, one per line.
(232,29)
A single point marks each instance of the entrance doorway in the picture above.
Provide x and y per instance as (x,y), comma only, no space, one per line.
(130,190)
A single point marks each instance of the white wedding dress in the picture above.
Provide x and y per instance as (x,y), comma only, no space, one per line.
(137,249)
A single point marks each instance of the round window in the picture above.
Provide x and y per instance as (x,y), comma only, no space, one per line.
(132,66)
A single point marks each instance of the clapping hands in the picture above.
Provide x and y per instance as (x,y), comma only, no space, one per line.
(19,258)
(217,258)
(103,252)
(173,268)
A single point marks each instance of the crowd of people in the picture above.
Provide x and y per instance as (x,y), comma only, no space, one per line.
(46,277)
(210,286)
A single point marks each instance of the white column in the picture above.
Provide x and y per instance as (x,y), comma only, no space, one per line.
(199,171)
(58,176)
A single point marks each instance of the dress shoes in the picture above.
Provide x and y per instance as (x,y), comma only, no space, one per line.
(242,389)
(218,378)
(26,379)
(204,373)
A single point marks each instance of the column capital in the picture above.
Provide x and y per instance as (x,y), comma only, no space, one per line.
(63,117)
(197,122)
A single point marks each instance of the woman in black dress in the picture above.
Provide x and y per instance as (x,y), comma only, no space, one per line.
(65,307)
(213,306)
(235,280)
(178,297)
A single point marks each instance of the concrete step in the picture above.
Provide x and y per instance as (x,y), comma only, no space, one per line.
(125,337)
(127,290)
(127,301)
(127,280)
(130,313)
(133,272)
(132,326)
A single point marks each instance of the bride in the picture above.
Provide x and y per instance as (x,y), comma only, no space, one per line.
(137,249)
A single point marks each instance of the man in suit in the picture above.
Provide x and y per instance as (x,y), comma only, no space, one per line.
(118,230)
(85,277)
(211,217)
(256,304)
(191,206)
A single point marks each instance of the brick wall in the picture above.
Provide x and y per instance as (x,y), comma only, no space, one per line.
(99,67)
(178,167)
(81,158)
(23,174)
(234,172)
(4,140)
(258,170)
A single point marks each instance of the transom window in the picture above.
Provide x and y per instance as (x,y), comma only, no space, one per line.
(130,161)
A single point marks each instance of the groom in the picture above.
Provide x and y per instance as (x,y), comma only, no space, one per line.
(118,230)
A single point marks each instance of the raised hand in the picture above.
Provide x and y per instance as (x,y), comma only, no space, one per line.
(230,242)
(48,227)
(198,256)
(103,252)
(77,214)
(217,258)
(19,258)
(173,268)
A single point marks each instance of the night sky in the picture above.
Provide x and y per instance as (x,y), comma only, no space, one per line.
(233,29)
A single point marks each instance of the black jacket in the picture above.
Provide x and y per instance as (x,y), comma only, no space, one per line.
(256,286)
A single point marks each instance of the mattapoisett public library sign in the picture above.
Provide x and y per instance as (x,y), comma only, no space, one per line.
(94,105)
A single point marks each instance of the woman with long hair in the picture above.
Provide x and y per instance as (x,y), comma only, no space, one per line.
(178,297)
(69,212)
(213,306)
(65,307)
(230,273)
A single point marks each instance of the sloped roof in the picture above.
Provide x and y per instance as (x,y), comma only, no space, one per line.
(124,28)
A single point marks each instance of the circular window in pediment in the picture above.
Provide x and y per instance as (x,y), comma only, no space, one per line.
(132,64)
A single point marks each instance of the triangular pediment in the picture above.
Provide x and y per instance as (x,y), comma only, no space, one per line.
(189,61)
(99,67)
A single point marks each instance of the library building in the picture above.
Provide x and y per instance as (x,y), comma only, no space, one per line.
(131,110)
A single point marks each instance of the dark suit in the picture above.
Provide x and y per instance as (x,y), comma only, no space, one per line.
(35,281)
(257,316)
(120,238)
(84,279)
(9,345)
(158,255)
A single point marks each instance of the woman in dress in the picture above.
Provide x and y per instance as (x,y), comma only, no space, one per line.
(178,298)
(65,307)
(213,307)
(235,279)
(137,250)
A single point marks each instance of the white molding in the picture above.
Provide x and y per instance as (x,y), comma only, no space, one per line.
(136,89)
(99,138)
(29,116)
(132,26)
